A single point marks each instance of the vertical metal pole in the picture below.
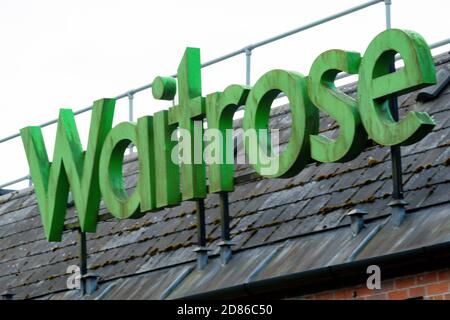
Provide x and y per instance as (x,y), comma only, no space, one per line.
(130,114)
(387,5)
(225,244)
(201,230)
(83,257)
(248,60)
(397,204)
(202,251)
(225,216)
(82,251)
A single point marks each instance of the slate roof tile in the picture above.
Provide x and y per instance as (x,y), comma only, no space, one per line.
(259,236)
(436,195)
(331,219)
(294,210)
(316,204)
(341,197)
(308,224)
(268,217)
(283,229)
(366,191)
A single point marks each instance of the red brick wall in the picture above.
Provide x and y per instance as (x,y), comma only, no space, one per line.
(429,285)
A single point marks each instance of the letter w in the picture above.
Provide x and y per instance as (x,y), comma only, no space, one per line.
(71,166)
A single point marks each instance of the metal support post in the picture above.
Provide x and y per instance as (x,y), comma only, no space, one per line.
(248,60)
(202,250)
(397,204)
(83,258)
(225,244)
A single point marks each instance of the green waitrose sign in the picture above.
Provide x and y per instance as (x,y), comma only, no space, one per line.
(97,171)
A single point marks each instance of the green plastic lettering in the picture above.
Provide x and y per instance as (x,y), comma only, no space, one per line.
(191,107)
(220,109)
(305,121)
(70,168)
(145,145)
(116,198)
(343,108)
(168,173)
(376,85)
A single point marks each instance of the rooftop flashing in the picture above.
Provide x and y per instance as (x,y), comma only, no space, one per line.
(5,191)
(431,93)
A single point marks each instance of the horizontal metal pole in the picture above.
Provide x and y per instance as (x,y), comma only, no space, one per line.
(278,37)
(148,86)
(86,109)
(315,23)
(398,57)
(440,43)
(13,136)
(10,183)
(240,51)
(227,56)
(339,76)
(45,124)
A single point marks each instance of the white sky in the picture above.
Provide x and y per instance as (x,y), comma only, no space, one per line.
(56,54)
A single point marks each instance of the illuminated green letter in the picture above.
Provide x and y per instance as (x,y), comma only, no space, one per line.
(70,167)
(376,85)
(343,108)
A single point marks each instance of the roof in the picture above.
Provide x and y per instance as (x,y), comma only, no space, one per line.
(278,226)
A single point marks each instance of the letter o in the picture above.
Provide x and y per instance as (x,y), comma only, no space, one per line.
(305,121)
(112,185)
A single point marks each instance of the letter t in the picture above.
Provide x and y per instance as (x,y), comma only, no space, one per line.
(191,108)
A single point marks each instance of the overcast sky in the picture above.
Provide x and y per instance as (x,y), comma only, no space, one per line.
(56,53)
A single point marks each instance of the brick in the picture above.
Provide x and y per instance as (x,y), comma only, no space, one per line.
(427,278)
(344,294)
(380,296)
(416,292)
(444,275)
(405,283)
(438,288)
(364,292)
(398,295)
(387,285)
(324,296)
